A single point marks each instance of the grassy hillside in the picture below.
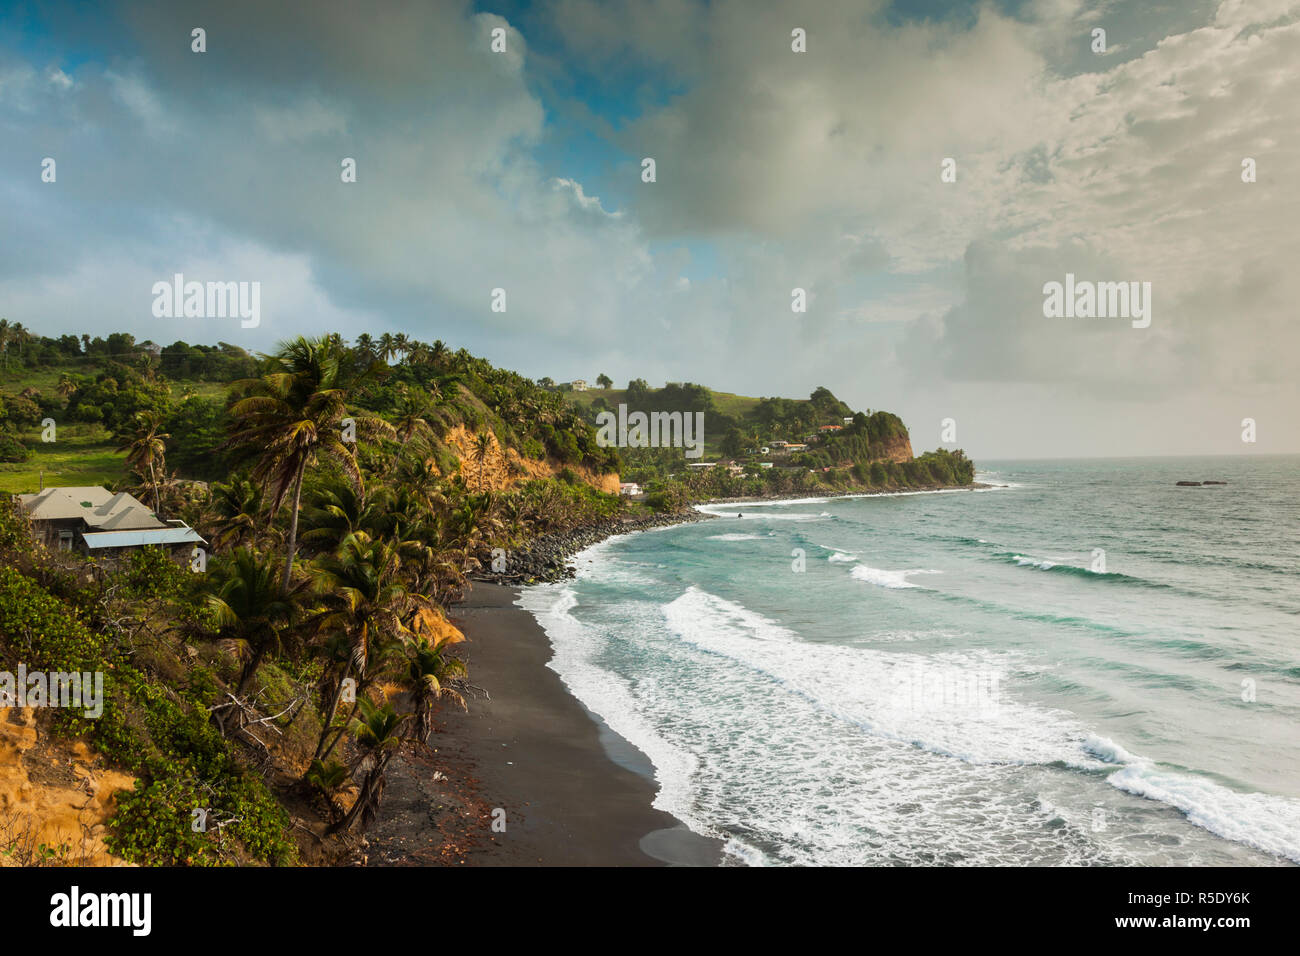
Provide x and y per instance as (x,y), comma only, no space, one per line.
(82,455)
(727,403)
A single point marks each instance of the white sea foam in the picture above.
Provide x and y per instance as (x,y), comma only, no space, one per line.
(608,695)
(840,753)
(948,704)
(1265,821)
(722,508)
(888,579)
(737,537)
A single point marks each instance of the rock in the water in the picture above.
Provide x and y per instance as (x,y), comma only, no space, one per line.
(1188,484)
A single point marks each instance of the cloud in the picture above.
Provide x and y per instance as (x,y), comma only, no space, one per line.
(817,170)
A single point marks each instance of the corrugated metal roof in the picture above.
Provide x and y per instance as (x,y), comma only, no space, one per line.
(135,539)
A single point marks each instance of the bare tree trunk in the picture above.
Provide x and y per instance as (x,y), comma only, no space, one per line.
(246,676)
(338,735)
(329,713)
(293,529)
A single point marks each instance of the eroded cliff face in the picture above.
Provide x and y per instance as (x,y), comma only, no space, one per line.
(53,792)
(896,449)
(504,467)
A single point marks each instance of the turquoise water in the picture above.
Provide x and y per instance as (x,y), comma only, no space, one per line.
(1088,666)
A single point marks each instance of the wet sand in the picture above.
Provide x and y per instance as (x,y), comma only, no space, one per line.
(573,792)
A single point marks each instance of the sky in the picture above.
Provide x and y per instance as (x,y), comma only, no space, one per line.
(775,170)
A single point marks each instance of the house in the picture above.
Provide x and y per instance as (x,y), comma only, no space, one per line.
(830,428)
(629,488)
(764,464)
(778,444)
(848,421)
(96,521)
(700,465)
(796,446)
(578,385)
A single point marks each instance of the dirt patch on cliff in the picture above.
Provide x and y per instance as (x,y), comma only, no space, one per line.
(500,467)
(55,796)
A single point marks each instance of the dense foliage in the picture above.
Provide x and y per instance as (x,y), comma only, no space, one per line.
(346,494)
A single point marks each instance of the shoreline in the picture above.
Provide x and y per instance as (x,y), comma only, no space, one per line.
(814,496)
(545,559)
(573,792)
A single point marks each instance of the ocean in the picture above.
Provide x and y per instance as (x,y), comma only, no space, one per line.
(1087,666)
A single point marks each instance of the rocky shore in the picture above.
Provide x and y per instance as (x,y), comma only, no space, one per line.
(545,558)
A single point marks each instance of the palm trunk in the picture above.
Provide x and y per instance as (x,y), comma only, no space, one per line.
(372,791)
(154,481)
(246,677)
(293,529)
(338,735)
(329,713)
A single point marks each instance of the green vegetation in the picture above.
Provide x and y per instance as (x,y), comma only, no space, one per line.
(315,641)
(347,494)
(158,730)
(845,451)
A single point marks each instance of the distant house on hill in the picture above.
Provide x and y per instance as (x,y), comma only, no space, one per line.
(579,385)
(796,446)
(95,521)
(629,488)
(830,428)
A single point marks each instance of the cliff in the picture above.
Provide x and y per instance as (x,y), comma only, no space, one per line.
(55,796)
(895,449)
(503,467)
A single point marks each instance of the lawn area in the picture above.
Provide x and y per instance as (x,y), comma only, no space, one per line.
(82,455)
(46,380)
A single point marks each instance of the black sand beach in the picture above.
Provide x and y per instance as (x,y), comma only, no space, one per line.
(532,750)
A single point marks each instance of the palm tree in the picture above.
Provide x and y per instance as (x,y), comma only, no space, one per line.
(482,448)
(411,412)
(236,505)
(433,674)
(67,387)
(146,449)
(366,345)
(291,418)
(251,608)
(328,778)
(363,598)
(378,733)
(336,508)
